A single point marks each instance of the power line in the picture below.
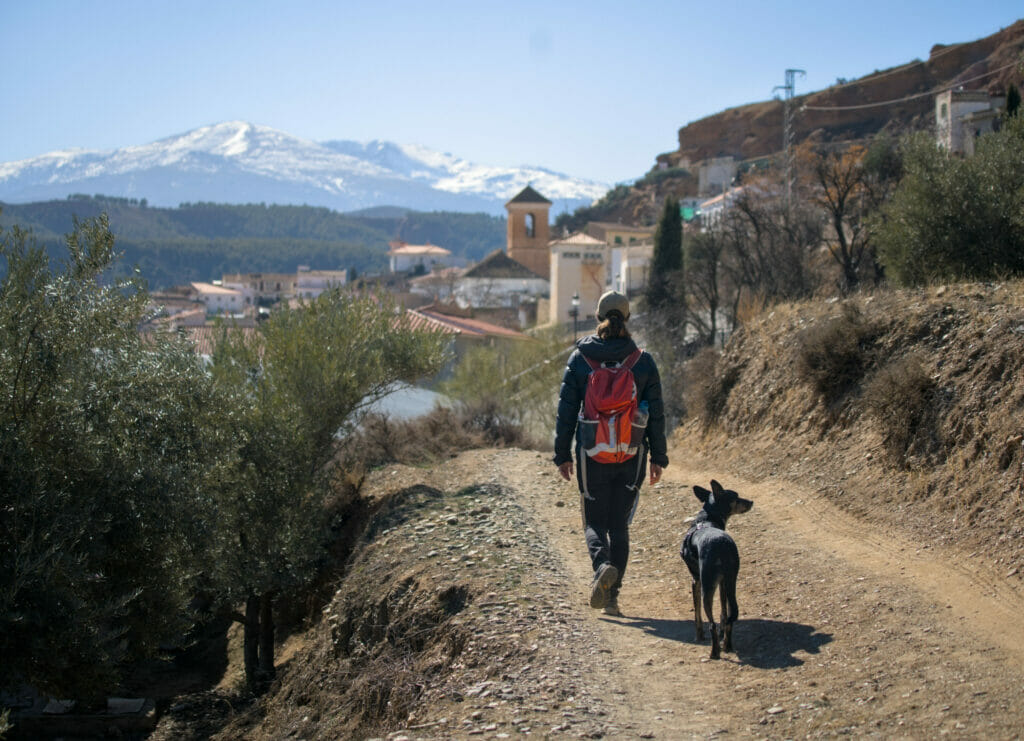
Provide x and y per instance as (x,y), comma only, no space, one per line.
(909,97)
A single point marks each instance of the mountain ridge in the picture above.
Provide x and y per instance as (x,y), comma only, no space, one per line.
(238,162)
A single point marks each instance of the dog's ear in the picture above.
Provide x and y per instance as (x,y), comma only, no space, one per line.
(701,493)
(716,488)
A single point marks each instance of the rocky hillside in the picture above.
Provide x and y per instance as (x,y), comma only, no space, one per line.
(905,404)
(754,131)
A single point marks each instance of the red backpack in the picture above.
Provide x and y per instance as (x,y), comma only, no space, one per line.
(611,426)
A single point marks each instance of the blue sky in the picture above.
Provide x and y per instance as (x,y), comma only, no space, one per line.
(593,89)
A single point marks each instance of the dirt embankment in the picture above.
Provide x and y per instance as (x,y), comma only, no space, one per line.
(879,595)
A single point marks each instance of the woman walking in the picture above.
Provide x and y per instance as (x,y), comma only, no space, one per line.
(609,470)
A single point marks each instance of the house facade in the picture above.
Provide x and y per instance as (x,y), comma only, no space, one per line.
(311,283)
(219,299)
(580,267)
(498,281)
(405,257)
(260,287)
(961,116)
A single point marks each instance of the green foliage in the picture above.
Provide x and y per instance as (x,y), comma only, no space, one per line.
(955,218)
(200,241)
(294,386)
(511,387)
(1012,101)
(613,199)
(107,445)
(663,287)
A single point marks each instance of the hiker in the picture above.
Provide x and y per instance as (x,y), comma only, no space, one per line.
(609,470)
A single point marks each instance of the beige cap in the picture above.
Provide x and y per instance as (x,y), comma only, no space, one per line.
(612,301)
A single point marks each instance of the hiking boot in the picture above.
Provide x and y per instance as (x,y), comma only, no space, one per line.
(603,580)
(612,608)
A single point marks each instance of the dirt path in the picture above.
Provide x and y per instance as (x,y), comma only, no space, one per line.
(845,629)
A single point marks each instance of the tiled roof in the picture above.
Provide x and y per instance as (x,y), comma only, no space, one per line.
(204,338)
(528,195)
(474,328)
(499,265)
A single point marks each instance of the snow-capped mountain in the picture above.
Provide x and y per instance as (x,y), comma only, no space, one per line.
(238,162)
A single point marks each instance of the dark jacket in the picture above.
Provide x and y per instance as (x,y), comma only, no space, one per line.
(574,386)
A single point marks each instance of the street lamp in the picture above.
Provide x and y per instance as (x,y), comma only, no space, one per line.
(574,311)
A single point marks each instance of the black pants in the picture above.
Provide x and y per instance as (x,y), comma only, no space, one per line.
(608,494)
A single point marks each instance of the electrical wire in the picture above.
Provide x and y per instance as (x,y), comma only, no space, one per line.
(909,97)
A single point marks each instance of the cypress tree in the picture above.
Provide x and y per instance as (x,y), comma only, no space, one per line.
(667,262)
(1012,101)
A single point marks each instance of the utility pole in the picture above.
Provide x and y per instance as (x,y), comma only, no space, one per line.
(787,128)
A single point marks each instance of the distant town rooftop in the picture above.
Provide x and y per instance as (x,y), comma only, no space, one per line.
(401,248)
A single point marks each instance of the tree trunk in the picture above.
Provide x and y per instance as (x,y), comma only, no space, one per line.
(251,634)
(267,672)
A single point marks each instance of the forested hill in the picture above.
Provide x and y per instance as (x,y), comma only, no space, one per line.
(201,241)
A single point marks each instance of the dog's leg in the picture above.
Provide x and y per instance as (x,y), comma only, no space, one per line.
(708,590)
(697,622)
(729,615)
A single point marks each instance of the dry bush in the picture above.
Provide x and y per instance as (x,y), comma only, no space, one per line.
(708,385)
(833,355)
(441,434)
(900,396)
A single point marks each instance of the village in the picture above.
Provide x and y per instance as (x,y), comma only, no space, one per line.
(539,280)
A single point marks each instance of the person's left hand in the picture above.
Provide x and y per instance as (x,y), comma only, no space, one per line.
(566,470)
(655,473)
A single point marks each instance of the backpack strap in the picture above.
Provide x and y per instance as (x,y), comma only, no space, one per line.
(629,361)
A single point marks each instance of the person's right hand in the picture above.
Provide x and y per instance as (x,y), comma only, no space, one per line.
(655,473)
(566,470)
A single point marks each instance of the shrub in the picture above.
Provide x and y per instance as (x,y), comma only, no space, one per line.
(708,384)
(899,395)
(833,354)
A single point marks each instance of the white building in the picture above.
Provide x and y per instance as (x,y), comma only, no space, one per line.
(580,265)
(498,281)
(631,267)
(218,299)
(311,283)
(961,116)
(405,257)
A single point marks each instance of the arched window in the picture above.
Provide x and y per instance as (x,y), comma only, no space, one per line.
(530,226)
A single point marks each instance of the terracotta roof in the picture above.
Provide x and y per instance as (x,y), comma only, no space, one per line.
(528,195)
(203,338)
(472,328)
(499,265)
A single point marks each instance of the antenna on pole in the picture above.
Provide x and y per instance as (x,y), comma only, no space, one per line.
(787,127)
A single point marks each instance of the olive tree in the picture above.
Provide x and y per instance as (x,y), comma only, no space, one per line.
(107,446)
(955,217)
(295,385)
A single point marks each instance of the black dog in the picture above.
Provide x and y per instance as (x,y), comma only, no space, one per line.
(714,561)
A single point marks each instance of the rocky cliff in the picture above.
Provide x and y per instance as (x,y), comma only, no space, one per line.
(895,100)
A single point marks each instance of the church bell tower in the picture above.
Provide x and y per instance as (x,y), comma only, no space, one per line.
(528,231)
